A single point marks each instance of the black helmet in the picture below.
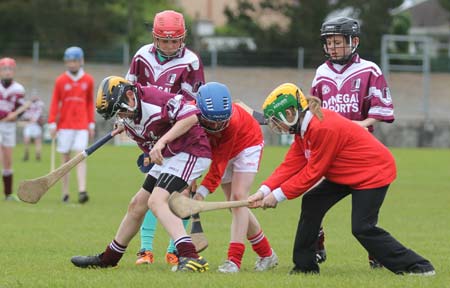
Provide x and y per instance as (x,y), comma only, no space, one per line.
(345,26)
(110,96)
(341,25)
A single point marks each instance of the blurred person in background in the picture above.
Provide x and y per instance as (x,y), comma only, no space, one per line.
(12,96)
(32,131)
(71,116)
(352,161)
(168,65)
(351,86)
(236,155)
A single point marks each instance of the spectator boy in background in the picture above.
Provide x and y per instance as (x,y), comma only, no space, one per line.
(71,116)
(32,130)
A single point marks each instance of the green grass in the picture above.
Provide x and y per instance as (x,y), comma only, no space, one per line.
(37,241)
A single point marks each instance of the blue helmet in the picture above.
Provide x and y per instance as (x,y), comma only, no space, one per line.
(73,53)
(214,102)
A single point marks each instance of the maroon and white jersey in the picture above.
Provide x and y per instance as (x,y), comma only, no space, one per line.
(34,112)
(179,75)
(357,90)
(11,98)
(160,111)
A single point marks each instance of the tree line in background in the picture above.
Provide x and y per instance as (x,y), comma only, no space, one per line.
(95,25)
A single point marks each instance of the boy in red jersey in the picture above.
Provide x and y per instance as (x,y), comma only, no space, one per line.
(71,116)
(235,162)
(331,146)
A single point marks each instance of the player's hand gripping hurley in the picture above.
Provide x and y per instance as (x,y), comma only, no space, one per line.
(32,190)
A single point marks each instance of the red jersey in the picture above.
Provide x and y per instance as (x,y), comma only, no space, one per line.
(228,143)
(337,149)
(72,105)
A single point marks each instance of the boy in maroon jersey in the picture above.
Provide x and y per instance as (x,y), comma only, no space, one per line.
(330,146)
(350,86)
(166,128)
(168,65)
(12,96)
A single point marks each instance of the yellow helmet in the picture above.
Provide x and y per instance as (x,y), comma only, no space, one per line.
(283,97)
(109,99)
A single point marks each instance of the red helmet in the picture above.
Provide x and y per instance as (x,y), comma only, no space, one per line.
(7,62)
(169,24)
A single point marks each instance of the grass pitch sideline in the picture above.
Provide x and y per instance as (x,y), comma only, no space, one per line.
(37,241)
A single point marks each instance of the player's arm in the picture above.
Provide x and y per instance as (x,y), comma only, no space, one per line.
(178,129)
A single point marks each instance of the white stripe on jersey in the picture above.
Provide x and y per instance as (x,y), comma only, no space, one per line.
(381,111)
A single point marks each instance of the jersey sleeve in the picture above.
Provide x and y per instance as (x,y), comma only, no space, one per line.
(293,162)
(193,78)
(381,105)
(54,103)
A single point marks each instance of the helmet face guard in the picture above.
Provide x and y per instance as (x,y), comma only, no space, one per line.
(214,102)
(344,26)
(282,108)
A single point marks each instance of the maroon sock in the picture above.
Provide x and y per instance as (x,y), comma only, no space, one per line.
(7,184)
(113,253)
(185,247)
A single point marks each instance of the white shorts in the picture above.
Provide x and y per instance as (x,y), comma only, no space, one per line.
(32,130)
(8,134)
(246,161)
(72,140)
(183,165)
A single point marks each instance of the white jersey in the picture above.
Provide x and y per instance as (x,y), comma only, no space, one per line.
(34,112)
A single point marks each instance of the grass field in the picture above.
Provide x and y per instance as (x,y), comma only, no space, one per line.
(37,241)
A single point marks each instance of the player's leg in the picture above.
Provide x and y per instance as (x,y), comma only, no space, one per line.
(38,143)
(80,143)
(64,140)
(379,243)
(128,228)
(26,143)
(175,175)
(267,258)
(315,203)
(8,143)
(171,253)
(7,173)
(148,229)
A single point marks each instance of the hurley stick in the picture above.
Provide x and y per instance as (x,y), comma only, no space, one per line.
(183,206)
(257,115)
(32,190)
